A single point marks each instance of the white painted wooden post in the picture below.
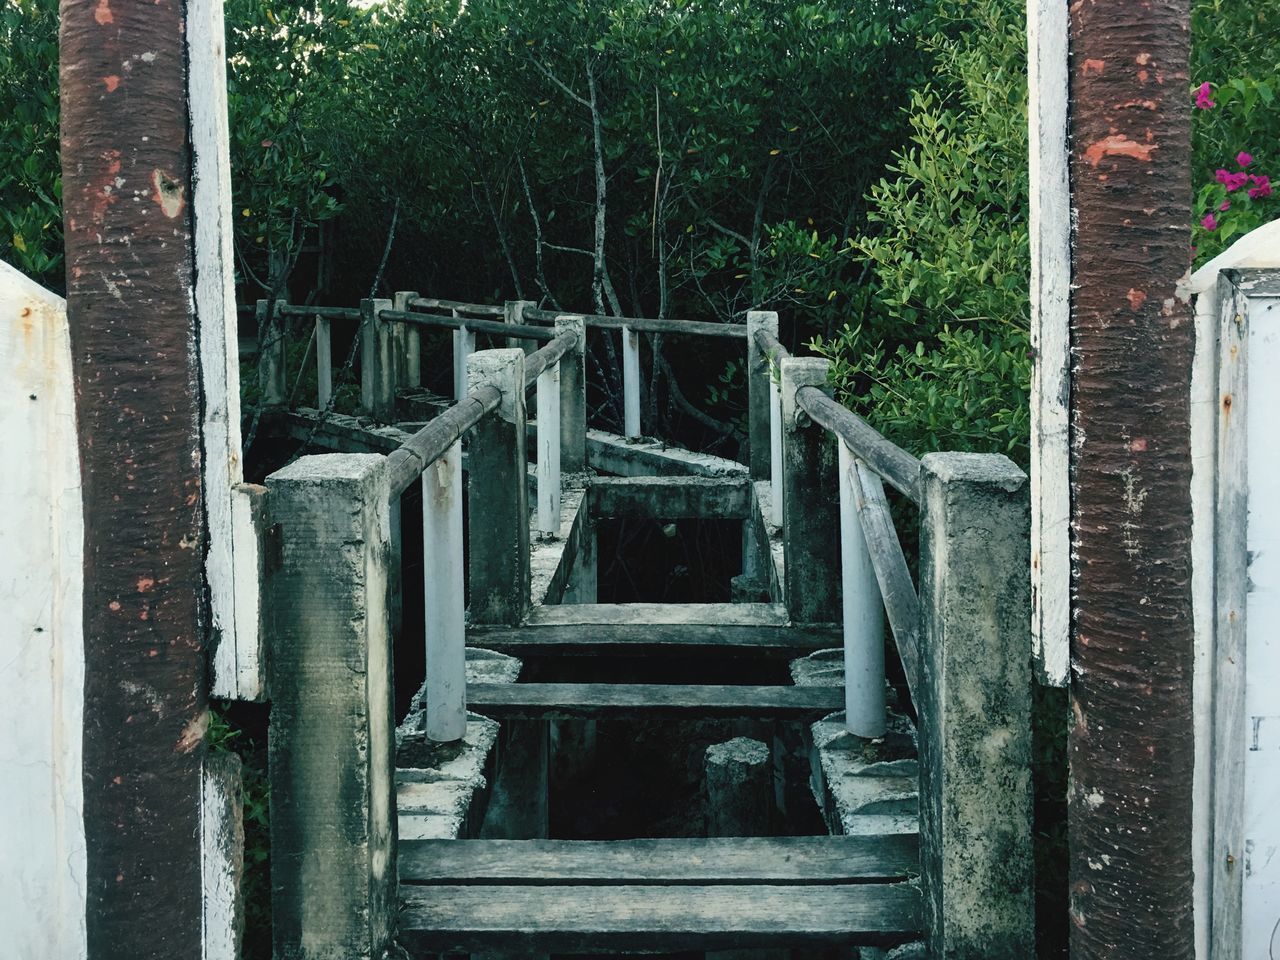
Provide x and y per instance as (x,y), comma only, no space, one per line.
(630,383)
(464,345)
(324,362)
(442,566)
(864,697)
(549,451)
(775,451)
(1050,212)
(409,361)
(43,889)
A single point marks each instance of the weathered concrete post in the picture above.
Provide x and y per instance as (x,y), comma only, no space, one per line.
(324,362)
(738,783)
(331,745)
(975,708)
(810,497)
(499,494)
(464,345)
(443,592)
(408,344)
(272,342)
(377,364)
(759,375)
(513,312)
(573,397)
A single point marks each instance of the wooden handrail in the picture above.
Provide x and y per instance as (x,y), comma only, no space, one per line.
(521,331)
(538,362)
(327,313)
(770,346)
(481,309)
(647,324)
(426,446)
(882,455)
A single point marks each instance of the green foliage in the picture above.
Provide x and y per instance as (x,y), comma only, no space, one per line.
(939,357)
(30,177)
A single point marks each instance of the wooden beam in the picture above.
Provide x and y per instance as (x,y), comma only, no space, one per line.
(563,701)
(670,498)
(585,919)
(761,860)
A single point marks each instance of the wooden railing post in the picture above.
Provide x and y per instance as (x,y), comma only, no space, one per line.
(630,383)
(331,741)
(464,345)
(759,379)
(810,520)
(498,494)
(573,397)
(443,598)
(408,344)
(324,362)
(513,312)
(975,707)
(864,697)
(272,342)
(377,365)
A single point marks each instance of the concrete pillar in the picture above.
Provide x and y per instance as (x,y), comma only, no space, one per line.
(272,341)
(738,785)
(810,500)
(518,804)
(513,312)
(408,344)
(331,742)
(975,708)
(759,373)
(498,494)
(377,362)
(573,398)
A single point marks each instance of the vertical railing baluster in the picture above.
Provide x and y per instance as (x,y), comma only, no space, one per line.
(272,342)
(864,695)
(377,368)
(573,397)
(324,362)
(464,345)
(409,343)
(759,378)
(548,388)
(775,451)
(630,383)
(442,568)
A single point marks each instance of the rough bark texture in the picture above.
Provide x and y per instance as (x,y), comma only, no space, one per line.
(1132,339)
(126,186)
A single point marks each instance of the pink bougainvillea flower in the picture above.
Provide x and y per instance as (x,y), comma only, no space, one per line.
(1261,187)
(1203,100)
(1224,206)
(1244,159)
(1210,222)
(1232,181)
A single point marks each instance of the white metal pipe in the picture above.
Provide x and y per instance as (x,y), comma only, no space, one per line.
(442,566)
(549,451)
(775,452)
(464,345)
(324,362)
(864,698)
(630,382)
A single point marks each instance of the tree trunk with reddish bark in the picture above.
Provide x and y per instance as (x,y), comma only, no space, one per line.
(126,189)
(1132,339)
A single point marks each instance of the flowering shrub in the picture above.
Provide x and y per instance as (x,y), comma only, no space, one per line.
(1239,197)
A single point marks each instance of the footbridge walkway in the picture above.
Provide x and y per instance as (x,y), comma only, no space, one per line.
(384,834)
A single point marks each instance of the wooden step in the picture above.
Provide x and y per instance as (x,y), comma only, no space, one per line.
(724,629)
(565,701)
(637,918)
(739,860)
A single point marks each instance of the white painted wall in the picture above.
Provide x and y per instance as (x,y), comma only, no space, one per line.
(1261,248)
(42,849)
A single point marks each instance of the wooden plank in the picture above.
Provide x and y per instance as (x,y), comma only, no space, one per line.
(660,614)
(670,498)
(582,919)
(584,700)
(1050,210)
(1231,563)
(642,638)
(738,860)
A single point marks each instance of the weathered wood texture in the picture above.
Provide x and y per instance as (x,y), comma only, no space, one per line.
(974,706)
(410,458)
(42,893)
(811,519)
(758,860)
(574,700)
(521,331)
(478,309)
(573,397)
(759,376)
(1050,234)
(670,498)
(886,458)
(126,167)
(543,359)
(498,554)
(222,856)
(331,744)
(628,919)
(1132,341)
(650,324)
